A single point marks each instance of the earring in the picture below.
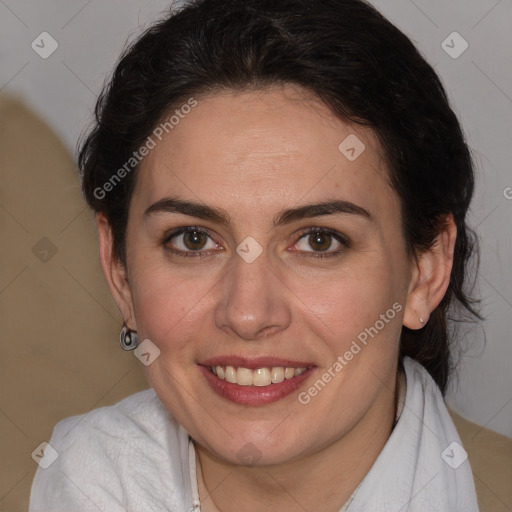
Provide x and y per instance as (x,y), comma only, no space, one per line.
(128,338)
(421,319)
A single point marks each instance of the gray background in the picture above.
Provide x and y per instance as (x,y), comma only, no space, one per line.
(91,34)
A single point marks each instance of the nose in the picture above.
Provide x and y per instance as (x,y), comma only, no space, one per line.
(254,301)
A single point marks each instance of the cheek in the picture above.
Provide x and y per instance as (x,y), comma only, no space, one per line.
(341,305)
(168,308)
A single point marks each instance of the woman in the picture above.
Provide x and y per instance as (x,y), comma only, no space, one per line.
(281,192)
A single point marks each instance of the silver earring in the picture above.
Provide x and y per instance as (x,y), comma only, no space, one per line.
(421,319)
(128,338)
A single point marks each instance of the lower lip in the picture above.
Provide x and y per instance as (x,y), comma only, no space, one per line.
(254,395)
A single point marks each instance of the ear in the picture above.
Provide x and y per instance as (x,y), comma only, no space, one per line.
(114,271)
(430,276)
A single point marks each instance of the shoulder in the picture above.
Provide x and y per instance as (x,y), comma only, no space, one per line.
(426,402)
(416,468)
(108,454)
(140,419)
(437,444)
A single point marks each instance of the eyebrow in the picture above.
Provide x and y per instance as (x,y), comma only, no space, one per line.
(220,216)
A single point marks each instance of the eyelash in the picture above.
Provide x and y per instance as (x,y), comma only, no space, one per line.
(201,254)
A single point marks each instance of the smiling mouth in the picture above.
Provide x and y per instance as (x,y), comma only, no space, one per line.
(260,377)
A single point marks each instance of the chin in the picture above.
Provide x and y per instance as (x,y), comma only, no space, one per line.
(258,445)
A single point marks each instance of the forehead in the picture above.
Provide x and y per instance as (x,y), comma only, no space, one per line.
(258,148)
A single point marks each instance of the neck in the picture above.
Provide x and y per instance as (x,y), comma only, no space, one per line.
(324,480)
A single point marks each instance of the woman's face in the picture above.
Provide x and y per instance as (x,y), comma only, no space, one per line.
(253,288)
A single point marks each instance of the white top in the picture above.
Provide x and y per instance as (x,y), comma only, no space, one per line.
(134,457)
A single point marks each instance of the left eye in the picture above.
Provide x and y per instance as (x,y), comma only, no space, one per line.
(192,239)
(320,240)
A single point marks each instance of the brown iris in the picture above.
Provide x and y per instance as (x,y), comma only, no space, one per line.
(194,240)
(320,241)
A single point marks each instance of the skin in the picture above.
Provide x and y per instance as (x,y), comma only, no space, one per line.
(254,154)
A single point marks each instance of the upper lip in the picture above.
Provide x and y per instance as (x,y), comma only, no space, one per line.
(254,363)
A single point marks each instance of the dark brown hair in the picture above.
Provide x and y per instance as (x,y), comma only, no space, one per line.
(354,60)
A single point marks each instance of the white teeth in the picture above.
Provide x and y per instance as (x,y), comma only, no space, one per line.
(259,377)
(277,374)
(244,377)
(230,374)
